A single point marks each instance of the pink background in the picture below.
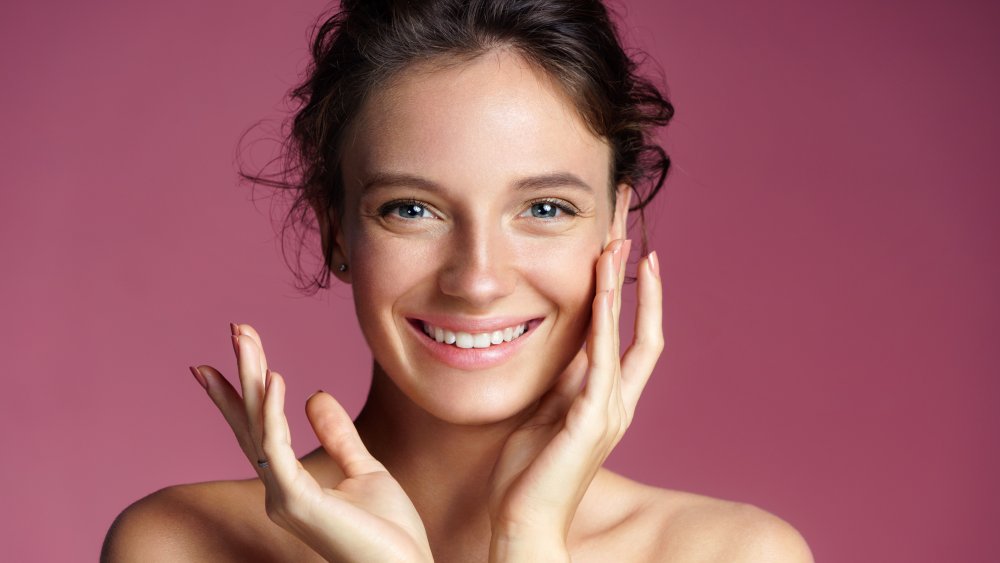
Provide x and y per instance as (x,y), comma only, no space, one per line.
(829,239)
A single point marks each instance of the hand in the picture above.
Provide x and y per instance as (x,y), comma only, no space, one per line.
(365,517)
(548,463)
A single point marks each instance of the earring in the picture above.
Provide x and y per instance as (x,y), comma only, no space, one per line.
(342,267)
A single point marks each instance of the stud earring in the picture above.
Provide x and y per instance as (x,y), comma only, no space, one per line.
(342,267)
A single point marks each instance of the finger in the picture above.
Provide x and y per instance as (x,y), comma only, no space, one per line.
(623,263)
(276,442)
(614,398)
(339,437)
(600,350)
(600,344)
(647,343)
(608,266)
(251,381)
(230,404)
(252,333)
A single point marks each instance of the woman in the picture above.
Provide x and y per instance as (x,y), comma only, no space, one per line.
(471,165)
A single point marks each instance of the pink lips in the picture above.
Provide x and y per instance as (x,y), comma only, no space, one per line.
(470,359)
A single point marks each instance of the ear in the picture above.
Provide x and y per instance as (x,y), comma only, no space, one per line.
(331,232)
(619,222)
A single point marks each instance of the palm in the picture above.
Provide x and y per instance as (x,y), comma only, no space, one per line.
(527,470)
(520,470)
(366,516)
(378,513)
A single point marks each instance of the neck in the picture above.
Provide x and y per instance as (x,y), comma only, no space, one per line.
(444,467)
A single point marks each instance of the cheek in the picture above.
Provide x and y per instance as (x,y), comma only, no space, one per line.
(383,270)
(563,270)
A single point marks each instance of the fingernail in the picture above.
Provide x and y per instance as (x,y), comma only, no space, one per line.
(628,249)
(654,264)
(314,393)
(234,328)
(236,345)
(267,380)
(611,300)
(198,375)
(616,248)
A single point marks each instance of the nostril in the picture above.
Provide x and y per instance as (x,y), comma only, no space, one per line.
(477,281)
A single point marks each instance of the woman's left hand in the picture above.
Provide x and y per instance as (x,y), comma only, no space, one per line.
(548,463)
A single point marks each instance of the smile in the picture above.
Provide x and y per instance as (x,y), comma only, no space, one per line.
(474,340)
(471,344)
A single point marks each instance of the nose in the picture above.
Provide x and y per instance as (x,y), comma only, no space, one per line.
(480,267)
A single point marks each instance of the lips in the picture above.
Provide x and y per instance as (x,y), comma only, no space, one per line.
(473,348)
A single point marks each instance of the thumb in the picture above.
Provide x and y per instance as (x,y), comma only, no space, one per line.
(339,437)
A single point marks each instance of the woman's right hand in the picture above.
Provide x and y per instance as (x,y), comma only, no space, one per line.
(365,517)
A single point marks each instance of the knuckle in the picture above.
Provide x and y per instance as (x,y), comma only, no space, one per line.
(654,344)
(276,446)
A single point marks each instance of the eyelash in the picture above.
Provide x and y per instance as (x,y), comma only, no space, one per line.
(563,206)
(560,204)
(386,208)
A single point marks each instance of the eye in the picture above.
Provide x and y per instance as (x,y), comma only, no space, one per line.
(408,209)
(550,209)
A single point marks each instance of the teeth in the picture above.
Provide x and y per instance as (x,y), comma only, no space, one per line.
(478,340)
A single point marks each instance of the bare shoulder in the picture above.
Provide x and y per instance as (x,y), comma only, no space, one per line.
(215,521)
(682,526)
(703,528)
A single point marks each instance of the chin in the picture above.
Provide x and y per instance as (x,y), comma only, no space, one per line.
(471,398)
(482,405)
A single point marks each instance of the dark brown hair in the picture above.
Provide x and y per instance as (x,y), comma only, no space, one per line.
(367,42)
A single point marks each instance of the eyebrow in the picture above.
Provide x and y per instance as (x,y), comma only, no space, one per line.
(538,182)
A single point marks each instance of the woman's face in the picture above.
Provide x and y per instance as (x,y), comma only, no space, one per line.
(476,206)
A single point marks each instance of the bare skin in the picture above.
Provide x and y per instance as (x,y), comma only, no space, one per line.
(618,520)
(452,463)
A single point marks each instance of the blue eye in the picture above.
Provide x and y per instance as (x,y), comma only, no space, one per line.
(550,209)
(411,211)
(544,210)
(406,210)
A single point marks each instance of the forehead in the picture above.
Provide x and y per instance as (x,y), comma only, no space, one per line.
(487,120)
